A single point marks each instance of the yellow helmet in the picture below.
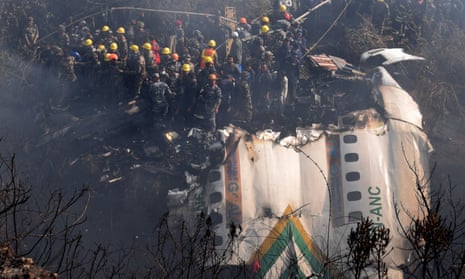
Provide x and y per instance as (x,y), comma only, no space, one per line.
(134,48)
(147,46)
(265,19)
(166,50)
(101,47)
(186,68)
(282,8)
(208,59)
(120,30)
(265,29)
(212,43)
(113,46)
(106,57)
(105,28)
(88,42)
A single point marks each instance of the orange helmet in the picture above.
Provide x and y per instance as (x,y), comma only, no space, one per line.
(175,56)
(212,76)
(243,20)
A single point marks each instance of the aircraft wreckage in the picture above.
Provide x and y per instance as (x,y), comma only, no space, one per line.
(293,195)
(293,199)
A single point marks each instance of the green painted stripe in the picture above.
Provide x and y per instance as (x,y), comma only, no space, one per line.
(269,259)
(308,252)
(282,241)
(287,274)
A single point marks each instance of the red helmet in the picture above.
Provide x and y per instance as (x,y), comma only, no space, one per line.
(287,16)
(178,22)
(243,20)
(113,57)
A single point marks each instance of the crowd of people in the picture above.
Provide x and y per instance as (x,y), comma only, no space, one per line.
(186,78)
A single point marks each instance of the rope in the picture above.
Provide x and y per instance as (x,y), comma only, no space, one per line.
(329,28)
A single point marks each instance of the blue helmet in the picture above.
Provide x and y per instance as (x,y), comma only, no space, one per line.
(76,55)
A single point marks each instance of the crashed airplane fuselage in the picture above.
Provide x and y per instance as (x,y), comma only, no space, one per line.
(297,198)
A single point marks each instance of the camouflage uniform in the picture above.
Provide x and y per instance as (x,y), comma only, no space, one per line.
(207,104)
(136,73)
(159,95)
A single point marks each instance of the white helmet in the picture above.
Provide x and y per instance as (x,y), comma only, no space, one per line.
(234,34)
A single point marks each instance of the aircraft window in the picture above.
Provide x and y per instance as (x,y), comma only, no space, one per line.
(350,139)
(353,176)
(216,197)
(216,218)
(351,157)
(354,196)
(355,216)
(214,176)
(218,240)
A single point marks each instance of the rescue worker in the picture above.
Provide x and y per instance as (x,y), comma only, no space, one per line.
(31,35)
(186,90)
(230,68)
(165,57)
(87,66)
(149,57)
(209,51)
(174,65)
(380,15)
(244,29)
(203,75)
(114,48)
(207,104)
(268,59)
(156,51)
(257,50)
(180,37)
(159,95)
(228,88)
(140,34)
(106,36)
(236,49)
(135,71)
(241,102)
(66,76)
(62,38)
(111,80)
(291,69)
(187,59)
(404,29)
(265,35)
(101,51)
(261,93)
(122,44)
(195,44)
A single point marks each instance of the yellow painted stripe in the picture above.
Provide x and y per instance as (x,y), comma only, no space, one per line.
(272,236)
(316,252)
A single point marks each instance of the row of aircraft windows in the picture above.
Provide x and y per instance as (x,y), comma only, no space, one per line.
(352,196)
(354,216)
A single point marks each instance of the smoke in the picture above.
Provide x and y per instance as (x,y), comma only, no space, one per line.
(81,143)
